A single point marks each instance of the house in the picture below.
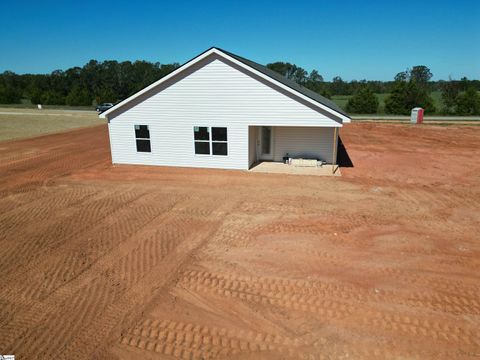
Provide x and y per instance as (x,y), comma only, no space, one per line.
(220,110)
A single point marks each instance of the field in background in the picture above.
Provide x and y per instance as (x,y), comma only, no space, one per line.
(341,100)
(21,123)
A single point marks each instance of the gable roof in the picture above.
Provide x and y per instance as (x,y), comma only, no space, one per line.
(270,75)
(290,83)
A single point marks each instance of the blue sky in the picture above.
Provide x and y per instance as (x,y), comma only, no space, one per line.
(354,39)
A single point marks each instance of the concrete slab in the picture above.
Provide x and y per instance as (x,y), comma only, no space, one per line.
(281,168)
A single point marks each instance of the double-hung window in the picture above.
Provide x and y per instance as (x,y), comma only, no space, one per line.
(210,140)
(219,141)
(142,137)
(201,135)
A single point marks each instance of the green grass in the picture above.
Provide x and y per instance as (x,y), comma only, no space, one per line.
(341,100)
(28,105)
(24,123)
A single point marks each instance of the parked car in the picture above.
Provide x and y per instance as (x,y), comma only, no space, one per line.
(102,107)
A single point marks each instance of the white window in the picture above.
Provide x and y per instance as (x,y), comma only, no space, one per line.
(210,140)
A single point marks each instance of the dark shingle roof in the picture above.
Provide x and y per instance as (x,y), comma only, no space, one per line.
(291,84)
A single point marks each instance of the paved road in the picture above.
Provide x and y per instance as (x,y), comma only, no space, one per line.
(49,112)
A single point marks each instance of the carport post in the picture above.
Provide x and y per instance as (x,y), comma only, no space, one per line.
(334,152)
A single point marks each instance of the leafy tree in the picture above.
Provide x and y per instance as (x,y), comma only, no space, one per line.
(407,95)
(325,93)
(464,84)
(79,96)
(10,92)
(450,90)
(286,69)
(315,77)
(402,76)
(300,76)
(290,71)
(468,103)
(51,97)
(339,87)
(410,90)
(315,83)
(105,95)
(363,101)
(421,75)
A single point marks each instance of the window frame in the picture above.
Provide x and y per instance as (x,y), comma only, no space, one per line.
(202,141)
(142,138)
(219,141)
(210,141)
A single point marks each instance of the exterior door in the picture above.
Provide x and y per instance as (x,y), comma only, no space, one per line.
(265,143)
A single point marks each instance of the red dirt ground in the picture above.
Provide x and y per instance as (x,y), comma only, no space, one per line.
(129,262)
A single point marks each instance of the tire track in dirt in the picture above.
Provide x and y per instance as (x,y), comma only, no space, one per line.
(31,172)
(151,250)
(265,291)
(193,341)
(53,164)
(441,332)
(240,235)
(69,224)
(88,296)
(271,206)
(453,292)
(73,262)
(327,350)
(184,340)
(113,317)
(95,302)
(31,318)
(437,302)
(324,224)
(428,280)
(40,209)
(429,198)
(440,282)
(462,259)
(231,235)
(12,200)
(6,312)
(321,299)
(13,158)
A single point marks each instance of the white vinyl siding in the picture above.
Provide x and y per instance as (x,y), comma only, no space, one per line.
(214,94)
(173,145)
(307,142)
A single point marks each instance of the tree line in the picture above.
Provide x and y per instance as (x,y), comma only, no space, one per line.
(112,81)
(94,83)
(410,88)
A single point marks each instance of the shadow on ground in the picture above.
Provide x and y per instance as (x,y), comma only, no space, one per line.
(343,159)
